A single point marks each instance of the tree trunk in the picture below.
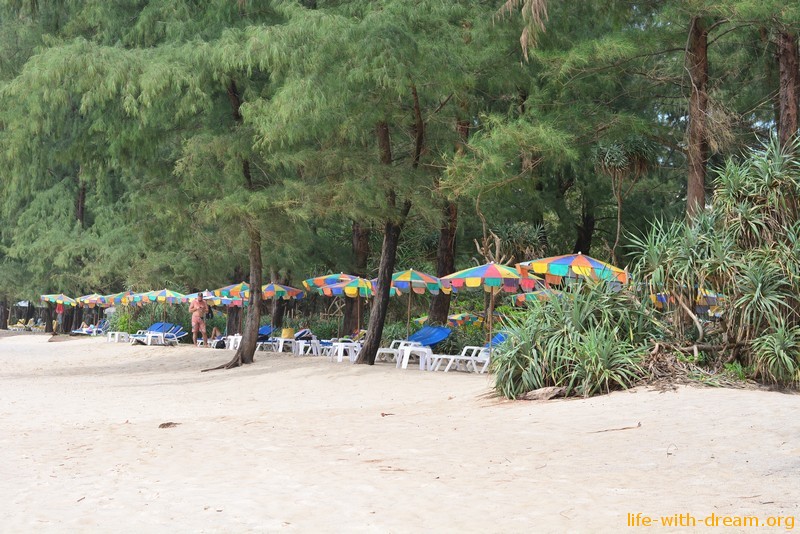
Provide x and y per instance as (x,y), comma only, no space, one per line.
(80,202)
(446,253)
(788,91)
(583,242)
(697,146)
(48,318)
(247,348)
(377,316)
(234,320)
(360,256)
(278,306)
(391,237)
(77,318)
(445,263)
(4,314)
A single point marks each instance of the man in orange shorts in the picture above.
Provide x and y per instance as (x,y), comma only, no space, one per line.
(199,309)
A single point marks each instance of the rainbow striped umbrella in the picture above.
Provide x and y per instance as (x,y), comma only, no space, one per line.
(162,295)
(240,290)
(540,295)
(492,277)
(117,298)
(90,301)
(572,266)
(285,292)
(411,281)
(418,282)
(327,280)
(357,287)
(461,319)
(59,298)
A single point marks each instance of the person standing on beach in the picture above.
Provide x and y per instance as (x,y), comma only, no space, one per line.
(59,315)
(199,309)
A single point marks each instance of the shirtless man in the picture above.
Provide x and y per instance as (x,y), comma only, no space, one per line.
(198,308)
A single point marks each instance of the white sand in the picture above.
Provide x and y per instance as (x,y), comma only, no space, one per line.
(300,444)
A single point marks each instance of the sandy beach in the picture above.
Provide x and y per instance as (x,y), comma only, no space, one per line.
(302,444)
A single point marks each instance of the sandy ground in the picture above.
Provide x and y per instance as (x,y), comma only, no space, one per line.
(303,444)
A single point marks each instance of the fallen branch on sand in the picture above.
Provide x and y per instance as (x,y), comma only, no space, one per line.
(617,429)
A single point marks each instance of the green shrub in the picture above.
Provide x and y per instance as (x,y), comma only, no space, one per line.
(590,340)
(777,353)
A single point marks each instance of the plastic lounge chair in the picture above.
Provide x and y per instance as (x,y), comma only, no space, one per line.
(174,335)
(155,328)
(264,342)
(474,358)
(391,352)
(419,345)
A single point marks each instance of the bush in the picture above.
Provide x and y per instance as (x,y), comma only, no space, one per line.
(777,353)
(589,341)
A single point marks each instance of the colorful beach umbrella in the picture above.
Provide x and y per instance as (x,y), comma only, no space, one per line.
(357,287)
(556,268)
(59,298)
(417,282)
(117,298)
(492,277)
(539,294)
(162,295)
(327,280)
(238,291)
(284,292)
(411,281)
(462,319)
(91,300)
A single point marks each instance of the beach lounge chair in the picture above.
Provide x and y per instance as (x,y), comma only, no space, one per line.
(154,330)
(92,330)
(472,358)
(421,338)
(172,336)
(20,325)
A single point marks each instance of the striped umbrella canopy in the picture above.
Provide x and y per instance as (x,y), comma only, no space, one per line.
(240,290)
(357,287)
(117,298)
(161,295)
(492,277)
(540,295)
(572,266)
(213,299)
(327,280)
(461,319)
(59,298)
(284,292)
(418,282)
(411,281)
(91,300)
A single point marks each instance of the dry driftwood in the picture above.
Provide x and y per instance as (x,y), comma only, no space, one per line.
(544,393)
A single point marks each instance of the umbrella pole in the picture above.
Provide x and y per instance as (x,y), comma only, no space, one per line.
(358,315)
(408,317)
(491,317)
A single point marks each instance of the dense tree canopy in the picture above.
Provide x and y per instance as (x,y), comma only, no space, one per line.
(182,143)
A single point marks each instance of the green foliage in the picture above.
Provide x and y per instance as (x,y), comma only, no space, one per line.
(590,340)
(777,353)
(744,249)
